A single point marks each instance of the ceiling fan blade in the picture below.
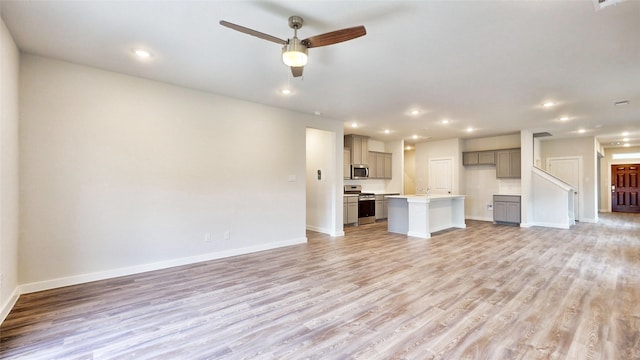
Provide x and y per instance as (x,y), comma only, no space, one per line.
(334,37)
(252,32)
(297,71)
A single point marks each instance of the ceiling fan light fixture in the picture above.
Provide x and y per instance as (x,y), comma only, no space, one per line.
(294,53)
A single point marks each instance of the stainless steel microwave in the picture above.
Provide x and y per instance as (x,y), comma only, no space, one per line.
(360,171)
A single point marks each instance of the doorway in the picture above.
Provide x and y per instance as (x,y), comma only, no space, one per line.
(624,188)
(441,176)
(569,170)
(321,180)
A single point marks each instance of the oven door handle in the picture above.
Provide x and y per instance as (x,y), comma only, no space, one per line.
(367,172)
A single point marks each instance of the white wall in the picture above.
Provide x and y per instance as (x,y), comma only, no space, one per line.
(320,156)
(396,184)
(9,65)
(527,159)
(582,147)
(553,205)
(121,174)
(481,182)
(410,172)
(438,149)
(605,174)
(493,142)
(481,186)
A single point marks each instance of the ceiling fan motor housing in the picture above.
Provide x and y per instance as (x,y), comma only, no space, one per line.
(295,22)
(295,53)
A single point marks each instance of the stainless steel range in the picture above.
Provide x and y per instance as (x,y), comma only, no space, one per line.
(366,204)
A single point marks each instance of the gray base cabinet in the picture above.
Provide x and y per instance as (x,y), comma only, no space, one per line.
(350,210)
(382,206)
(506,209)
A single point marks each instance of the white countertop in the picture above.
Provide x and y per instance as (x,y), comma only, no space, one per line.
(426,197)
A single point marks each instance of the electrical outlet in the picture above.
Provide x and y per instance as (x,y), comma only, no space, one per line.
(207,237)
(227,235)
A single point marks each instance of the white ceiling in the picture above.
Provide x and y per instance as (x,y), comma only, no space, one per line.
(485,64)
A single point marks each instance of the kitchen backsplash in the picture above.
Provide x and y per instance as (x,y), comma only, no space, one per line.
(509,187)
(371,186)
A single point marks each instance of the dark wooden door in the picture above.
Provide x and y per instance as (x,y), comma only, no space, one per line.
(624,188)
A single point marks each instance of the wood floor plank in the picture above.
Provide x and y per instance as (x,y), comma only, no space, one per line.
(484,292)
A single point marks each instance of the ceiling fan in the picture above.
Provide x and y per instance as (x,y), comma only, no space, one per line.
(294,50)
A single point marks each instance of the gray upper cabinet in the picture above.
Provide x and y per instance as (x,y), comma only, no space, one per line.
(479,158)
(508,164)
(346,163)
(359,146)
(379,165)
(507,161)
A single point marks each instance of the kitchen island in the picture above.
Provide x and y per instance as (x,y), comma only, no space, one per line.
(422,215)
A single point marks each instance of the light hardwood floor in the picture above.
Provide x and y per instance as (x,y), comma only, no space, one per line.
(485,292)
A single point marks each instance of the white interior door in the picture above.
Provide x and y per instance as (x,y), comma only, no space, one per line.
(441,176)
(569,170)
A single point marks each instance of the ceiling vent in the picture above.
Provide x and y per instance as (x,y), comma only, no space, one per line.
(541,134)
(601,4)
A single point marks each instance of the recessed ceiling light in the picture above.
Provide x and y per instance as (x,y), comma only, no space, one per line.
(625,139)
(626,133)
(627,145)
(581,131)
(415,112)
(354,125)
(445,121)
(548,104)
(317,113)
(285,92)
(408,147)
(143,54)
(415,137)
(564,118)
(469,129)
(386,131)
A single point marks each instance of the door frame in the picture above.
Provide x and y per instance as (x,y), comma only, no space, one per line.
(331,197)
(580,180)
(610,163)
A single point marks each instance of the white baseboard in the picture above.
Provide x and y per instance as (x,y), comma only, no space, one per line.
(551,225)
(589,220)
(326,231)
(319,229)
(9,304)
(136,269)
(479,218)
(419,234)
